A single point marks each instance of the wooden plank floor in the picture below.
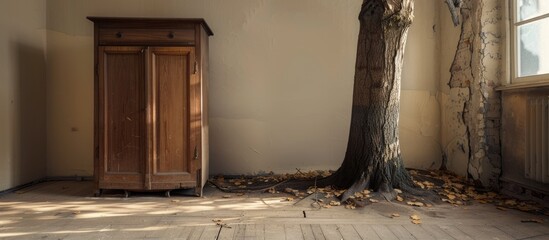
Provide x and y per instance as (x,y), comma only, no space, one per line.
(66,210)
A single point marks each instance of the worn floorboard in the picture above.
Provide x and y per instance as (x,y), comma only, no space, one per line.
(66,210)
(307,232)
(366,232)
(485,232)
(293,232)
(454,232)
(348,232)
(331,232)
(383,232)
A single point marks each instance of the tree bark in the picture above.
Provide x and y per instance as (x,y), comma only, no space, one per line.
(373,158)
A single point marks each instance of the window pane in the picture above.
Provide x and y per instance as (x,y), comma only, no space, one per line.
(527,9)
(533,48)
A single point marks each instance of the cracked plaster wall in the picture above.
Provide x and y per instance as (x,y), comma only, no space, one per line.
(281,81)
(471,106)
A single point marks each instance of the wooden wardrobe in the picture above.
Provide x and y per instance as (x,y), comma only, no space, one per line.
(151,114)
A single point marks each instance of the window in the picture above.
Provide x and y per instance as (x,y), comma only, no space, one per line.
(530,40)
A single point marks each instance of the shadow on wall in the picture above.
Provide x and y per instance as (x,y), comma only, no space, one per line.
(29,133)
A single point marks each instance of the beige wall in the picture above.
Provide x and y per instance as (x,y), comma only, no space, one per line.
(281,81)
(453,131)
(22,92)
(420,104)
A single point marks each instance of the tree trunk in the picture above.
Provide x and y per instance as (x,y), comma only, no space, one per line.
(373,158)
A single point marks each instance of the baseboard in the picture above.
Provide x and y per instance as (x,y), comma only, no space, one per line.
(46,179)
(70,178)
(524,192)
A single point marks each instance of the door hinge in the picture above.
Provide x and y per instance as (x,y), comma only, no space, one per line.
(195,156)
(195,67)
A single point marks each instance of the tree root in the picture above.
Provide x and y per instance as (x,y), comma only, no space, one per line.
(384,189)
(358,186)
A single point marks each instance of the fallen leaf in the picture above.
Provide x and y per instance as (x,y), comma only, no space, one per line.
(335,203)
(416,221)
(76,212)
(289,199)
(399,198)
(174,201)
(226,196)
(394,215)
(350,206)
(458,185)
(415,217)
(416,204)
(502,208)
(527,208)
(373,200)
(398,190)
(240,194)
(511,202)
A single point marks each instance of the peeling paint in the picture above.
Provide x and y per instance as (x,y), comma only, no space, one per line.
(475,72)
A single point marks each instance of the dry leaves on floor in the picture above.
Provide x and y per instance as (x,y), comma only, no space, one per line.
(451,188)
(457,191)
(415,219)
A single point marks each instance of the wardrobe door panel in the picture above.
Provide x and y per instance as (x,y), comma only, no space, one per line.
(122,109)
(171,71)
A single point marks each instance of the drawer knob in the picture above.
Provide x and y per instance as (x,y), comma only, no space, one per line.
(171,35)
(119,34)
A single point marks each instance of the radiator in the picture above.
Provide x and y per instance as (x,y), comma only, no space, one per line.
(537,139)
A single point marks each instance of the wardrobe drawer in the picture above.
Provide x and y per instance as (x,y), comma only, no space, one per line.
(111,36)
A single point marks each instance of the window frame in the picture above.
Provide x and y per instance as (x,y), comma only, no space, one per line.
(514,61)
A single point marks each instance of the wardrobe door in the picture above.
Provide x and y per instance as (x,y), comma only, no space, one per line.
(122,112)
(172,69)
